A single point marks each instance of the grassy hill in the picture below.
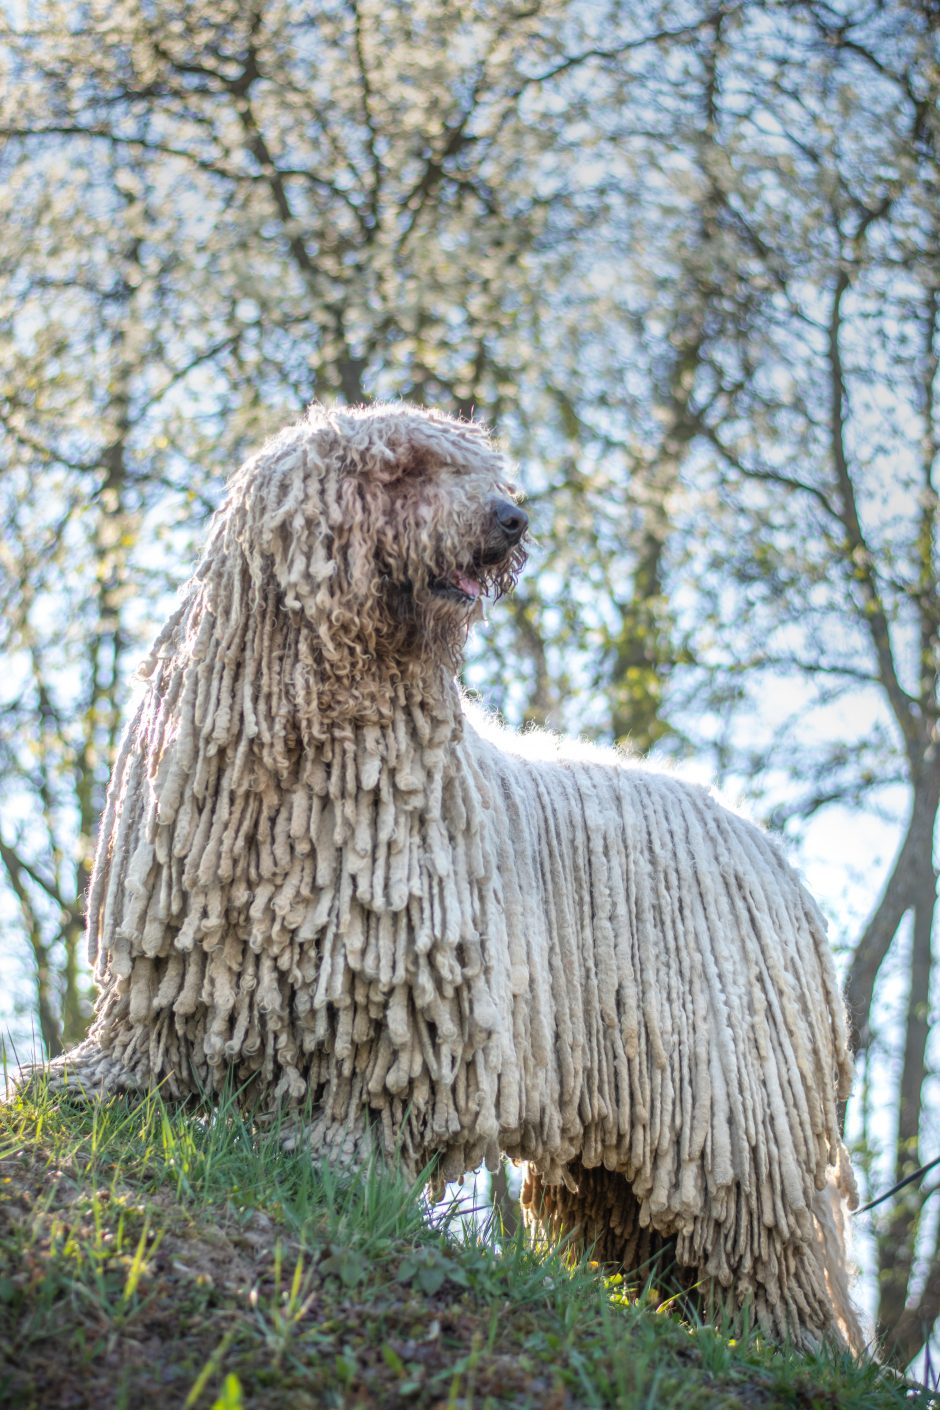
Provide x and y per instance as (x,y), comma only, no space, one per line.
(153,1257)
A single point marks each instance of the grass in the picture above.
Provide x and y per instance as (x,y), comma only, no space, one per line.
(158,1257)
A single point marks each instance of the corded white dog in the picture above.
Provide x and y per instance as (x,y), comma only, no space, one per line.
(318,872)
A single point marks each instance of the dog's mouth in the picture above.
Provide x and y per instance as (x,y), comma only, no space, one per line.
(490,572)
(462,586)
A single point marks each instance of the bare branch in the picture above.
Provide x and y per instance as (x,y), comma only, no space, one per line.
(49,1025)
(774,477)
(609,53)
(859,557)
(18,867)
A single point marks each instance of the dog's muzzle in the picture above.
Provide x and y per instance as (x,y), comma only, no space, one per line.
(467,584)
(510,520)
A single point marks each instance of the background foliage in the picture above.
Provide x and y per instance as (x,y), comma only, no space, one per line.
(685,256)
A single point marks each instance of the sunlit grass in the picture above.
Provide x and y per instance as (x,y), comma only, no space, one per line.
(151,1254)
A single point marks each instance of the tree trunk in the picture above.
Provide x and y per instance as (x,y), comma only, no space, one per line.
(504,1206)
(901,888)
(897,1242)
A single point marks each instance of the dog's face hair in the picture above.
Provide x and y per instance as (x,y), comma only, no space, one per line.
(447,527)
(448,539)
(385,529)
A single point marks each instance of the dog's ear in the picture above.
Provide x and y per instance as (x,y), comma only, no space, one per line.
(277,518)
(304,515)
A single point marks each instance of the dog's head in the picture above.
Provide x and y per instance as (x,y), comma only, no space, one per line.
(385,527)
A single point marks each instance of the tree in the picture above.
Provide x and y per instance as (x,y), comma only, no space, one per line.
(816,425)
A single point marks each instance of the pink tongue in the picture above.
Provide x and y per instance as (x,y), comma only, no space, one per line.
(468,585)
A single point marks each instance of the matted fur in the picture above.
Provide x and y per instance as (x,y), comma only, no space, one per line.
(319,873)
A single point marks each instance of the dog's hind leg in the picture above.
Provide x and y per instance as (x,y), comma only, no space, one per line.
(600,1217)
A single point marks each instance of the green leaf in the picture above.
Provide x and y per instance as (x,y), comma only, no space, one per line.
(231,1397)
(431,1277)
(347,1265)
(392,1359)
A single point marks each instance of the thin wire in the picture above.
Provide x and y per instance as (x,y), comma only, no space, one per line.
(908,1179)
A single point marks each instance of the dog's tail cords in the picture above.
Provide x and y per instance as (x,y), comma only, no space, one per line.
(908,1180)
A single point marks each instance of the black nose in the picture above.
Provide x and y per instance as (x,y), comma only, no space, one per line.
(511,519)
